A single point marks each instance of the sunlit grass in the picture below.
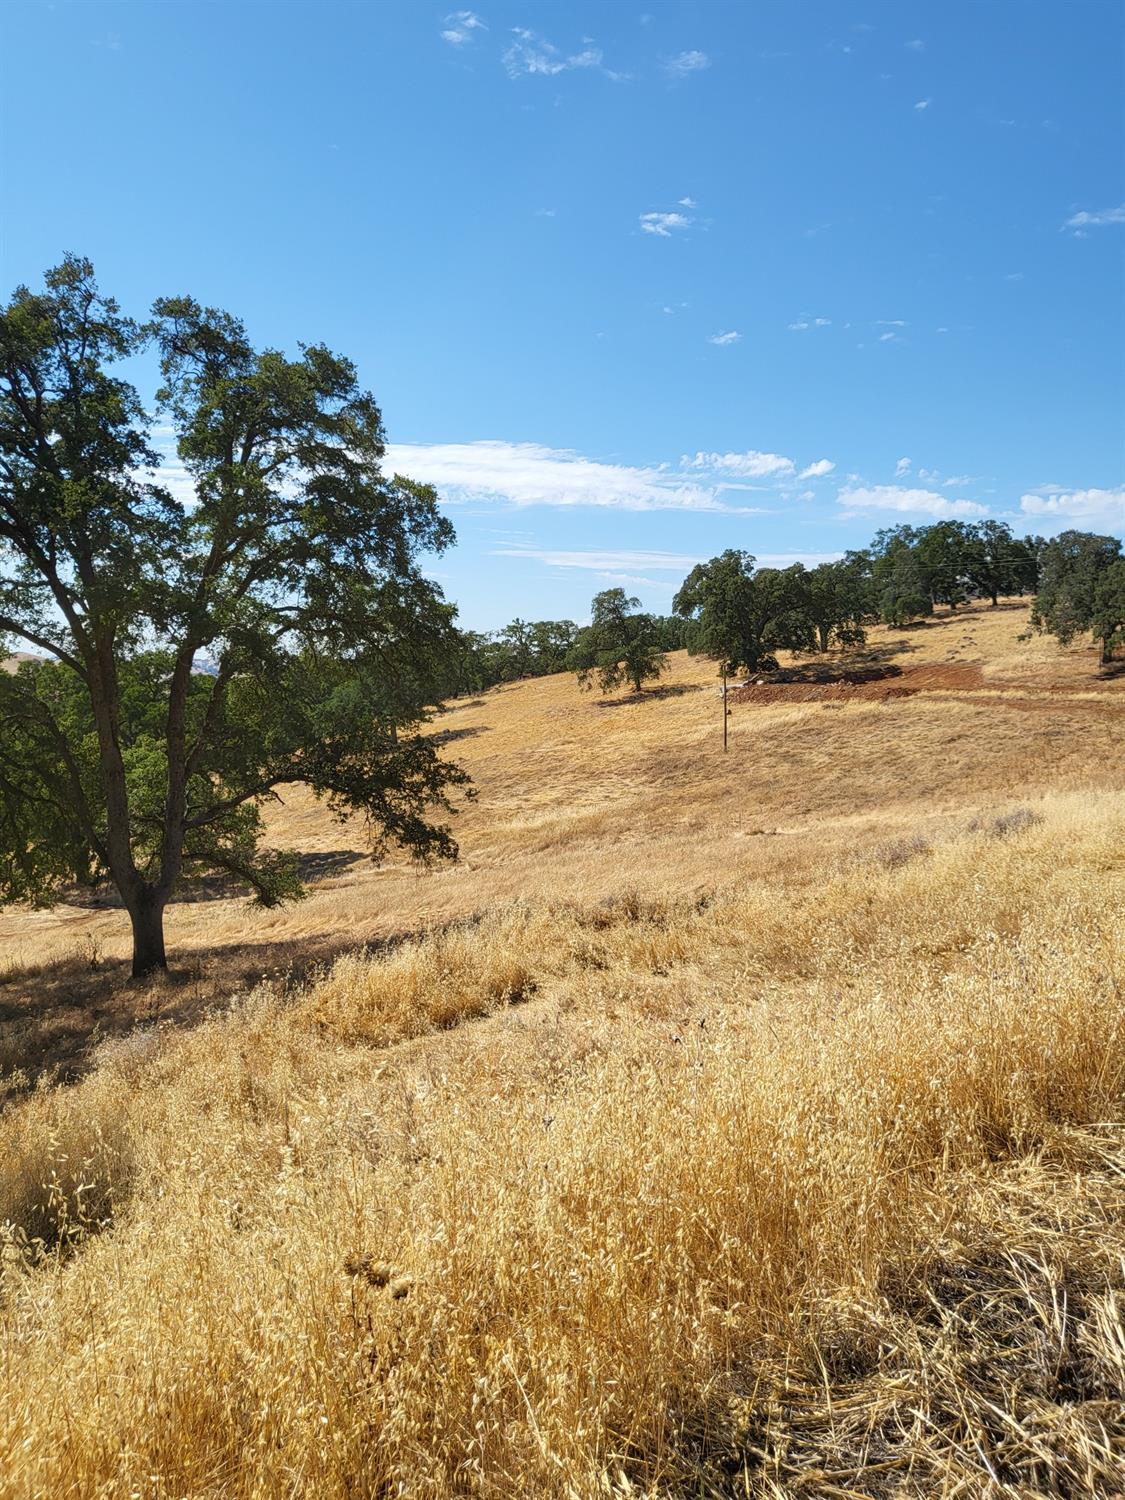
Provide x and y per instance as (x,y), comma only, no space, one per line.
(758,1131)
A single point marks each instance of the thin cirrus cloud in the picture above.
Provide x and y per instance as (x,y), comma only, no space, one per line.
(802,323)
(621,566)
(923,104)
(896,497)
(460,26)
(684,64)
(532,474)
(611,561)
(723,339)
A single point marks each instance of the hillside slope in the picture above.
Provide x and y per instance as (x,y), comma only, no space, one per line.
(744,1125)
(574,790)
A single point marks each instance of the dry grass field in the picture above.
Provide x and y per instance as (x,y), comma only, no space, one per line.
(721,1125)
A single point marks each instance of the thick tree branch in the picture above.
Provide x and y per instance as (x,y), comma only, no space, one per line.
(13,627)
(220,809)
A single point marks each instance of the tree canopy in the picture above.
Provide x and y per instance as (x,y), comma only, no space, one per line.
(739,615)
(620,645)
(1079,588)
(293,565)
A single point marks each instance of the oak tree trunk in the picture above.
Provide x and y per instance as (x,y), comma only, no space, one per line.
(147,917)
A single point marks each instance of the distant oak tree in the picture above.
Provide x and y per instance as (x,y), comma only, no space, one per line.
(291,571)
(740,616)
(620,645)
(1079,588)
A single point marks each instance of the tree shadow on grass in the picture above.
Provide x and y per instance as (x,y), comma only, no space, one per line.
(191,889)
(447,736)
(54,1016)
(649,695)
(854,672)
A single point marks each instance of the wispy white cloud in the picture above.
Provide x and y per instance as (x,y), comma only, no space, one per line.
(686,63)
(896,497)
(687,203)
(722,339)
(916,45)
(902,467)
(605,561)
(532,474)
(460,26)
(532,55)
(923,104)
(804,322)
(818,469)
(1100,507)
(927,476)
(1084,220)
(748,465)
(958,481)
(665,224)
(890,322)
(888,338)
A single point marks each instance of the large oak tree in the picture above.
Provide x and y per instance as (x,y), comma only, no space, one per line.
(291,567)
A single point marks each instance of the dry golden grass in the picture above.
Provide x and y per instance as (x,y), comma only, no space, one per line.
(756,1130)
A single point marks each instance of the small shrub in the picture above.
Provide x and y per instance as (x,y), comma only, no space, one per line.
(899,852)
(1006,824)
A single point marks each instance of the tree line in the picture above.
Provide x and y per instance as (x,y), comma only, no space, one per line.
(531,648)
(741,615)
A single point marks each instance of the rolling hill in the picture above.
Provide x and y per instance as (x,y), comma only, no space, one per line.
(742,1123)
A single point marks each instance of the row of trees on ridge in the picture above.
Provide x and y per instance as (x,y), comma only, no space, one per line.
(742,615)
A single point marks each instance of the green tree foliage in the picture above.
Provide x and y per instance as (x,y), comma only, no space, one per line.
(671,632)
(1108,622)
(1072,570)
(833,602)
(620,645)
(995,562)
(942,552)
(295,567)
(899,587)
(522,649)
(740,616)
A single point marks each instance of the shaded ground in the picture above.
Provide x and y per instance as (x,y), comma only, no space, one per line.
(859,683)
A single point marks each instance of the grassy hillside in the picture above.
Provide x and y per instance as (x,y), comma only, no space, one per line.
(721,1125)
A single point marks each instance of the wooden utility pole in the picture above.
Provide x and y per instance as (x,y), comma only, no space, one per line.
(724,710)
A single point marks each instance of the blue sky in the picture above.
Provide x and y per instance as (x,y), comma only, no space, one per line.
(631,283)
